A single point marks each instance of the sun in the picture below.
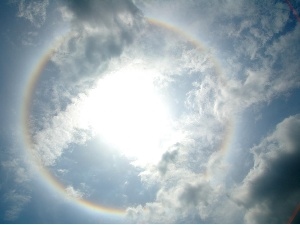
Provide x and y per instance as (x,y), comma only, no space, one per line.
(126,110)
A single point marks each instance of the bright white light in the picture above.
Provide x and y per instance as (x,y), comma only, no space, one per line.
(126,111)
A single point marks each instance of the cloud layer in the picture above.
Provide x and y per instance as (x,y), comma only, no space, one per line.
(248,59)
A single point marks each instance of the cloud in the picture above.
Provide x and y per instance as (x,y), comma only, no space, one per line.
(34,11)
(20,172)
(192,174)
(183,197)
(268,194)
(16,178)
(61,130)
(71,192)
(186,192)
(263,81)
(57,130)
(99,31)
(167,158)
(270,191)
(16,202)
(193,177)
(248,37)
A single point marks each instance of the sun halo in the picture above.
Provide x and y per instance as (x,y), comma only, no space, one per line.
(126,111)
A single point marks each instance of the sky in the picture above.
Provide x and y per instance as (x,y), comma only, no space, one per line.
(150,111)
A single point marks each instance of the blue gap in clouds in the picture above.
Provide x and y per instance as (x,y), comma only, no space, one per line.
(178,90)
(256,123)
(48,207)
(271,114)
(11,65)
(109,177)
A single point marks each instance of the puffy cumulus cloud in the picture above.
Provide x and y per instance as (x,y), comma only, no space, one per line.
(187,191)
(188,199)
(73,193)
(99,31)
(268,194)
(192,174)
(271,190)
(34,11)
(167,158)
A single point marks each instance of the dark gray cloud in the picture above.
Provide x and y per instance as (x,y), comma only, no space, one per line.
(271,190)
(195,195)
(167,158)
(100,30)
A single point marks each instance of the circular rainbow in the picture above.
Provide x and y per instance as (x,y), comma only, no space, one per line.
(28,93)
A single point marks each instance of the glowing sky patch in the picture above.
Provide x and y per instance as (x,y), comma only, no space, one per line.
(149,112)
(125,108)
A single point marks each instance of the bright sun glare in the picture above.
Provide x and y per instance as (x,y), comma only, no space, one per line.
(126,111)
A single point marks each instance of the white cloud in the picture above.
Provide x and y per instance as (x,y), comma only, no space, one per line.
(183,196)
(56,133)
(34,11)
(273,73)
(66,127)
(189,190)
(71,192)
(211,101)
(192,174)
(268,193)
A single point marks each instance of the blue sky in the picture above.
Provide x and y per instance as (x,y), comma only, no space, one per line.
(149,111)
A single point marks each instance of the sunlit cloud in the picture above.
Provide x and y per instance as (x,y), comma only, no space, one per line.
(158,112)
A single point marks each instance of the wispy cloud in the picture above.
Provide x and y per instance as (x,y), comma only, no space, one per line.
(16,202)
(268,194)
(65,128)
(20,171)
(34,11)
(257,39)
(259,62)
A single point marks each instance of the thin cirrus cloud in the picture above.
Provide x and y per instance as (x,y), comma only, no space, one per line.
(15,201)
(248,58)
(35,12)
